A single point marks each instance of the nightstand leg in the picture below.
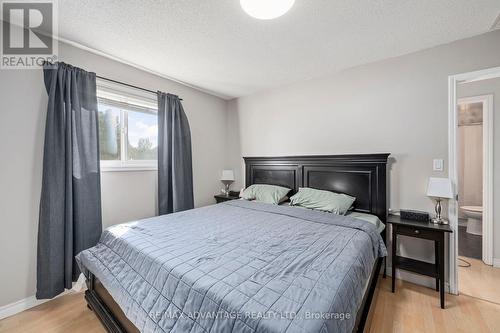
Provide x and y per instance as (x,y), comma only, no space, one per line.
(441,270)
(436,260)
(385,268)
(394,245)
(385,259)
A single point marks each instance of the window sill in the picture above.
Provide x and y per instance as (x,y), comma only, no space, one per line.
(127,168)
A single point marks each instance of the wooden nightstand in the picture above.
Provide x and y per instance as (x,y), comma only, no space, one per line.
(422,230)
(222,197)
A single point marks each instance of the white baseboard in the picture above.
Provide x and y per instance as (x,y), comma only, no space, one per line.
(19,306)
(29,302)
(421,280)
(496,262)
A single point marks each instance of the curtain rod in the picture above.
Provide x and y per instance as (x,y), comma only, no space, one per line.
(128,85)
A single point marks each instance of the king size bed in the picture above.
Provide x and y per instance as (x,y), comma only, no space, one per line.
(244,266)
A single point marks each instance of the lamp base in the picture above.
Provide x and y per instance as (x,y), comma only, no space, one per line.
(226,190)
(439,220)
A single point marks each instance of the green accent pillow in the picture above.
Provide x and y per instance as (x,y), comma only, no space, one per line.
(266,193)
(322,200)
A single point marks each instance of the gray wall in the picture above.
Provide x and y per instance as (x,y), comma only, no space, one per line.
(399,106)
(487,87)
(126,195)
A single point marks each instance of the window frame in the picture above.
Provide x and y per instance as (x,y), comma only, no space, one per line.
(129,98)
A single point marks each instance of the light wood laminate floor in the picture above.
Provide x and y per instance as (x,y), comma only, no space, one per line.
(479,280)
(65,314)
(414,308)
(411,309)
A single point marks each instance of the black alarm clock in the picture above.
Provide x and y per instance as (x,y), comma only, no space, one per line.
(414,215)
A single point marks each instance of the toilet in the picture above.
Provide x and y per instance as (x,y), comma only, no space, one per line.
(474,219)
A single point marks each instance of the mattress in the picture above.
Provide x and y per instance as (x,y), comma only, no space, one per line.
(357,215)
(238,266)
(370,218)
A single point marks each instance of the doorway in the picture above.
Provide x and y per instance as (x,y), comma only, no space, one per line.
(470,162)
(472,100)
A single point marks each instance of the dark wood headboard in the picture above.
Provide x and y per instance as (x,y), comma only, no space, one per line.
(361,176)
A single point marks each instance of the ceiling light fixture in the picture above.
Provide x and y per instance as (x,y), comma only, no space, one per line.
(266,9)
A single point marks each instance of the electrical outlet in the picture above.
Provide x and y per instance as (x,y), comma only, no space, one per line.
(438,164)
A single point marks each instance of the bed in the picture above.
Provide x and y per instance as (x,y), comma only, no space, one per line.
(245,266)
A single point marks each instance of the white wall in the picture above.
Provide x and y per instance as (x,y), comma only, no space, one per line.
(125,195)
(399,106)
(487,87)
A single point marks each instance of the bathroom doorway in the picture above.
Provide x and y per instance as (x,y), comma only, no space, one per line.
(475,97)
(470,166)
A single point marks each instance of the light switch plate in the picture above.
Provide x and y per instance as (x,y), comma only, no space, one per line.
(438,164)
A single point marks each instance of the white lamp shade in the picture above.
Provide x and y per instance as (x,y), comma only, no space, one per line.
(227,175)
(440,188)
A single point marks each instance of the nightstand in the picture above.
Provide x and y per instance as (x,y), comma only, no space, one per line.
(222,197)
(422,230)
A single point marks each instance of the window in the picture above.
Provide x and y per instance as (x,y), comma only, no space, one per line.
(128,128)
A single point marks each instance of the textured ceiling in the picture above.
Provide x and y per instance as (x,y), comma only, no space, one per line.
(214,45)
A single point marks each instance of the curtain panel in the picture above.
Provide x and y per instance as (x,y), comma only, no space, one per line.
(70,204)
(175,170)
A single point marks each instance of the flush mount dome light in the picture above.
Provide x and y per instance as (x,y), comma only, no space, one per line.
(266,9)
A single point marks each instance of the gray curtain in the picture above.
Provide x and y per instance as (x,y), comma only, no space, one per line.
(175,170)
(70,204)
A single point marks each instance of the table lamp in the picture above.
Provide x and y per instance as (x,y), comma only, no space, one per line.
(439,188)
(227,179)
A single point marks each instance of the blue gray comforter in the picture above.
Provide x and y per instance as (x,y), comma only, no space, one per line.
(238,267)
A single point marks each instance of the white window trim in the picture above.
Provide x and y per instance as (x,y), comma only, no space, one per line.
(120,93)
(145,165)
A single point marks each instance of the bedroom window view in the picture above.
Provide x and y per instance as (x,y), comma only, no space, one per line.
(128,135)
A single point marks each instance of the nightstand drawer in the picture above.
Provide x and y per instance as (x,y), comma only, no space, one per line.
(418,232)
